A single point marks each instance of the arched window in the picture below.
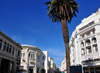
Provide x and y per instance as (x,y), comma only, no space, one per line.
(5,45)
(94,40)
(88,42)
(82,44)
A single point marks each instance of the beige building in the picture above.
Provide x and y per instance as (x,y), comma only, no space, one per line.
(9,54)
(50,64)
(30,59)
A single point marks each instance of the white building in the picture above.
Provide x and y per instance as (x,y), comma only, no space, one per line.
(63,66)
(85,43)
(44,62)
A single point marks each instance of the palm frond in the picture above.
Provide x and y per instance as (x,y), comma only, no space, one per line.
(59,9)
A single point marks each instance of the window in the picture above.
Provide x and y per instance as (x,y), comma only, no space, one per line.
(38,57)
(18,53)
(4,47)
(33,56)
(13,51)
(0,43)
(29,55)
(10,49)
(7,47)
(23,54)
(43,57)
(96,49)
(91,68)
(83,51)
(43,64)
(82,36)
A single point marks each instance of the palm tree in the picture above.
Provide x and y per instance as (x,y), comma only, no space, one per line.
(63,11)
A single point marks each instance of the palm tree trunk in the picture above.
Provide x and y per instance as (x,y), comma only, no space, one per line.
(66,40)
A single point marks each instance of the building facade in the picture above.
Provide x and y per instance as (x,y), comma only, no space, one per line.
(44,62)
(63,66)
(9,54)
(85,43)
(31,59)
(54,68)
(50,64)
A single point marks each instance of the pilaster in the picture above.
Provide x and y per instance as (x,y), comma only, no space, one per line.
(98,43)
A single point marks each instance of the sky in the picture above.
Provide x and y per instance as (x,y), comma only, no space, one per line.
(27,22)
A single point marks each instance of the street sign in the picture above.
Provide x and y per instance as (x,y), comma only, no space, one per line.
(75,69)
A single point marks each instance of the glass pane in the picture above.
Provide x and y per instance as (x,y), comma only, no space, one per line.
(92,72)
(97,71)
(4,47)
(91,68)
(86,72)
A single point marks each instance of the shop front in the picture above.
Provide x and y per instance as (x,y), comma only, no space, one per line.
(91,69)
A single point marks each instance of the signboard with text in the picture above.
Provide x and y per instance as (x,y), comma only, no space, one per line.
(95,55)
(89,57)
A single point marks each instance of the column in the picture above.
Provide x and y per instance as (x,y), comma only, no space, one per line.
(84,47)
(92,45)
(35,68)
(98,43)
(97,32)
(27,59)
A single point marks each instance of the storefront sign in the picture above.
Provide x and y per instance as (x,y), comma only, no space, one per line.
(95,55)
(89,57)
